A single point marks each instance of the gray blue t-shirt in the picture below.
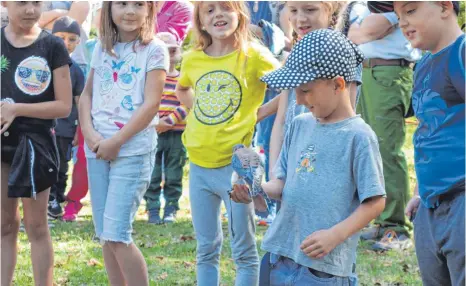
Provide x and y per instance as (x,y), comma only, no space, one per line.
(329,170)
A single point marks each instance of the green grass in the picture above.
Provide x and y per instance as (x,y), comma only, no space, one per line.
(170,251)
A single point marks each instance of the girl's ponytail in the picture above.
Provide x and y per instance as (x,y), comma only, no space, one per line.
(334,8)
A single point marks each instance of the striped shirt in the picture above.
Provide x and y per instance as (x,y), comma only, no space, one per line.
(171,110)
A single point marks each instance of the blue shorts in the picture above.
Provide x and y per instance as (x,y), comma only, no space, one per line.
(117,188)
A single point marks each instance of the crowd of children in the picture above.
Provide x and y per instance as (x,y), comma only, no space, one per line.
(141,114)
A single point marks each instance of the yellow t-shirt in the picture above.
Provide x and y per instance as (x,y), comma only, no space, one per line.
(227,94)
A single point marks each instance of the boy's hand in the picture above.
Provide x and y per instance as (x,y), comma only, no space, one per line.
(108,149)
(320,243)
(8,114)
(240,194)
(163,126)
(412,207)
(93,139)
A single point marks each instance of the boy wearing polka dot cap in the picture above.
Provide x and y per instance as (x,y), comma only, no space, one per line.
(329,173)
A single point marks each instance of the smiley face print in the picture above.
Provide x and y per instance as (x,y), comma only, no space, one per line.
(218,97)
(33,75)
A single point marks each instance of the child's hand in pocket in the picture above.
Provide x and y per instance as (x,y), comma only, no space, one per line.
(320,243)
(108,149)
(92,139)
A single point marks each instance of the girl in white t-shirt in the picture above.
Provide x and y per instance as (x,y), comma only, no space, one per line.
(118,116)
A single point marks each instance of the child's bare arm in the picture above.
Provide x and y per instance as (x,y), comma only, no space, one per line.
(185,95)
(268,109)
(276,138)
(322,242)
(84,106)
(274,188)
(91,136)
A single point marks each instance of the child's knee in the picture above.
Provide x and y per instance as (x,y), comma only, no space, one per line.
(247,255)
(10,225)
(209,251)
(115,246)
(37,230)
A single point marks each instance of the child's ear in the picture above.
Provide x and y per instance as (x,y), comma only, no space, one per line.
(340,83)
(78,41)
(447,8)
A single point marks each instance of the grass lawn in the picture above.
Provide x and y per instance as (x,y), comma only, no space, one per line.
(170,251)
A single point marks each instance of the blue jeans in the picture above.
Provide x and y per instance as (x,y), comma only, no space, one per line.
(286,272)
(207,189)
(117,188)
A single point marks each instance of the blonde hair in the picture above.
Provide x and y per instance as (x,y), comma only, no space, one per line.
(109,32)
(243,35)
(334,9)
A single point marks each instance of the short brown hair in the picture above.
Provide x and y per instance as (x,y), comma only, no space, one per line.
(109,32)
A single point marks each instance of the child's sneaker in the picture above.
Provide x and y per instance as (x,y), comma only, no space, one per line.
(169,215)
(54,209)
(391,240)
(265,221)
(372,233)
(154,216)
(72,209)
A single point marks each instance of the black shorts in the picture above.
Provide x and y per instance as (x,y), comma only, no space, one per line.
(10,141)
(33,159)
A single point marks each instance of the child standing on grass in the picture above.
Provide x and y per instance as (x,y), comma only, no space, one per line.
(36,89)
(170,149)
(118,111)
(68,30)
(329,173)
(439,141)
(220,84)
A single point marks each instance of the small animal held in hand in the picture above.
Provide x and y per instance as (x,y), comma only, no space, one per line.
(250,170)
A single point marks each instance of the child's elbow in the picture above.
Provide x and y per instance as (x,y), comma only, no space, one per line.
(379,205)
(64,110)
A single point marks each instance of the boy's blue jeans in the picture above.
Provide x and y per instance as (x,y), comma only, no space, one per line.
(439,236)
(207,189)
(285,271)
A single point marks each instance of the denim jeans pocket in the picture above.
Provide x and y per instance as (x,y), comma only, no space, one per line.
(315,277)
(274,260)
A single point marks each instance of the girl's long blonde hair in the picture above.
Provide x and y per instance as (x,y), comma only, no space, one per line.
(243,35)
(109,32)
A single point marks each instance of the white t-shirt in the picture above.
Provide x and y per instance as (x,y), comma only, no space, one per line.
(118,91)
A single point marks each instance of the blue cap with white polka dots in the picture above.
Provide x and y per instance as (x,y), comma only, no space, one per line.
(320,54)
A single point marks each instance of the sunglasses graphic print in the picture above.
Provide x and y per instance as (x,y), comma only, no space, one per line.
(33,75)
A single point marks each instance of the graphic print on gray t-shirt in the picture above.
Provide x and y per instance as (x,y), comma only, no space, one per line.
(328,169)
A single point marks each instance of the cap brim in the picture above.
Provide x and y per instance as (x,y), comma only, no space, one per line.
(285,78)
(380,6)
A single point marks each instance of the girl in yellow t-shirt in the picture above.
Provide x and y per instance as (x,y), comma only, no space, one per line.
(220,83)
